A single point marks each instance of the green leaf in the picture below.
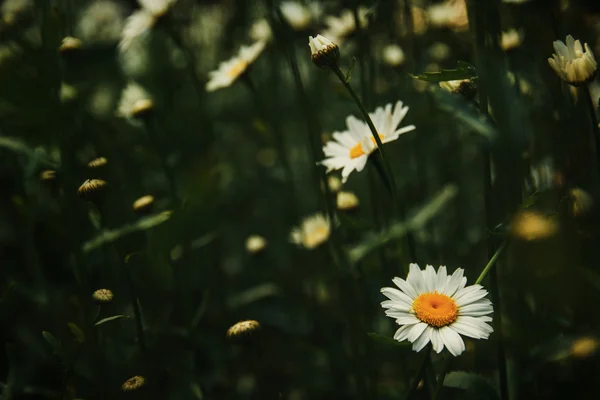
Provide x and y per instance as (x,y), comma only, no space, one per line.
(108,319)
(387,341)
(473,383)
(463,70)
(20,147)
(77,332)
(53,341)
(349,73)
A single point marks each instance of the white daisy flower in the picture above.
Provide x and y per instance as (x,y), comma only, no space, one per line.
(233,68)
(510,39)
(346,201)
(572,63)
(340,27)
(313,231)
(135,101)
(393,55)
(350,149)
(296,14)
(255,243)
(438,308)
(143,20)
(450,14)
(101,21)
(260,31)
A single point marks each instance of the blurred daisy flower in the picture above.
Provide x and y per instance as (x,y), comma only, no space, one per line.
(346,201)
(235,67)
(296,14)
(437,308)
(143,20)
(393,55)
(350,149)
(571,63)
(450,14)
(510,39)
(260,31)
(135,102)
(255,243)
(313,231)
(101,21)
(340,27)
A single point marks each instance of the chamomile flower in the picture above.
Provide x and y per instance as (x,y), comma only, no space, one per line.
(313,231)
(229,71)
(135,102)
(101,21)
(571,63)
(350,149)
(340,27)
(260,31)
(143,20)
(296,14)
(438,308)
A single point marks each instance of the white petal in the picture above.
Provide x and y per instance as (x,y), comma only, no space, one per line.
(452,341)
(472,326)
(441,279)
(396,295)
(477,309)
(423,339)
(469,295)
(391,304)
(394,313)
(405,287)
(410,319)
(402,332)
(415,279)
(454,282)
(416,331)
(436,341)
(430,278)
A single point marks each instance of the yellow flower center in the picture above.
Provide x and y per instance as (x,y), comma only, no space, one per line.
(358,150)
(316,237)
(435,309)
(237,68)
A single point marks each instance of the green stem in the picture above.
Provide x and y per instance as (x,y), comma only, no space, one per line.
(594,121)
(420,373)
(440,380)
(137,312)
(492,262)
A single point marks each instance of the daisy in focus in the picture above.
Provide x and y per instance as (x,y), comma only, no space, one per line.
(313,231)
(350,149)
(437,308)
(571,63)
(229,71)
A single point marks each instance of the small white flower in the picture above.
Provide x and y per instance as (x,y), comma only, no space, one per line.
(451,14)
(101,21)
(340,27)
(323,52)
(260,31)
(143,20)
(346,201)
(350,149)
(313,231)
(233,68)
(297,15)
(157,8)
(255,243)
(334,183)
(510,39)
(135,101)
(393,55)
(572,63)
(437,308)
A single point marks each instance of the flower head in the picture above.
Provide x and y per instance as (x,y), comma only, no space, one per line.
(340,27)
(323,52)
(571,63)
(450,14)
(133,383)
(98,162)
(135,101)
(260,31)
(102,296)
(143,205)
(346,201)
(143,20)
(393,55)
(235,67)
(91,189)
(255,244)
(296,14)
(243,328)
(437,308)
(101,21)
(313,231)
(350,149)
(510,39)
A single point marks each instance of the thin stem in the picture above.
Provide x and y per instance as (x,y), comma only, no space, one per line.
(137,312)
(492,262)
(594,120)
(420,373)
(440,380)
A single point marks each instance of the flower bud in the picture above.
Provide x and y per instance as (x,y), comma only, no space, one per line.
(324,53)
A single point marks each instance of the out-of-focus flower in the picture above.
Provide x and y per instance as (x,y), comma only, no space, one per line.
(243,328)
(584,347)
(313,231)
(133,383)
(98,162)
(510,39)
(102,296)
(581,201)
(260,31)
(439,51)
(143,205)
(393,55)
(48,175)
(101,22)
(544,176)
(91,189)
(143,20)
(68,93)
(334,183)
(466,87)
(296,14)
(571,63)
(135,102)
(323,52)
(532,225)
(350,149)
(229,71)
(346,201)
(70,45)
(255,243)
(340,27)
(437,308)
(451,14)
(14,11)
